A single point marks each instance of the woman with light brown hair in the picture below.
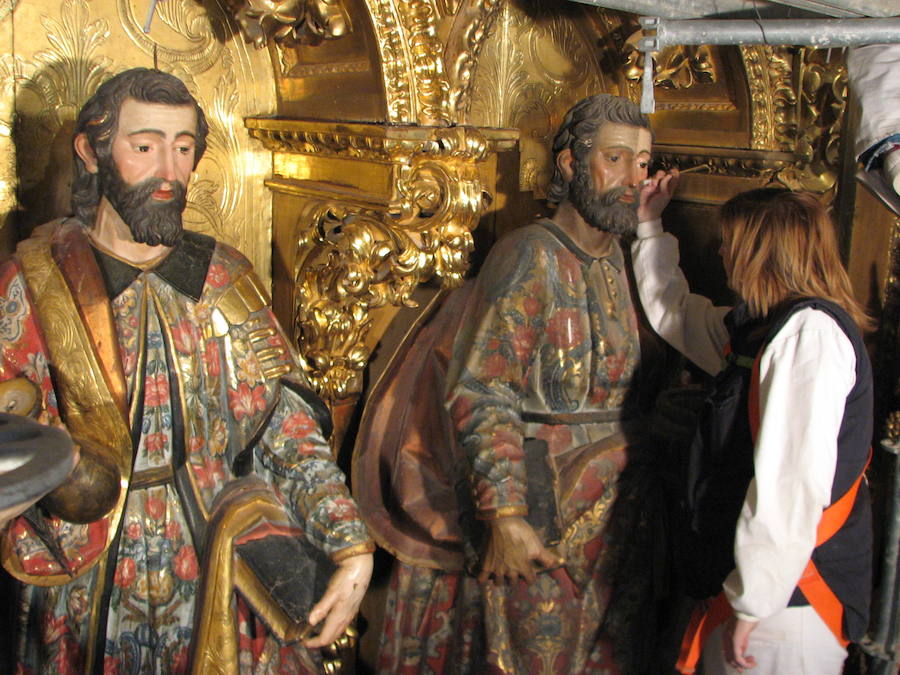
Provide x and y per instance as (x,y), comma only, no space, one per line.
(778,244)
(778,514)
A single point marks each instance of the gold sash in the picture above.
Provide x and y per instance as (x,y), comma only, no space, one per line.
(87,407)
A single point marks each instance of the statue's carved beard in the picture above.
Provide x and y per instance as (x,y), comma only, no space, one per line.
(602,210)
(151,221)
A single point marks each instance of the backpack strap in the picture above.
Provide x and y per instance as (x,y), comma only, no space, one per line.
(811,584)
(753,397)
(706,617)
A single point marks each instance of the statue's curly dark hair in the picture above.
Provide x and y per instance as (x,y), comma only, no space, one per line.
(579,128)
(99,120)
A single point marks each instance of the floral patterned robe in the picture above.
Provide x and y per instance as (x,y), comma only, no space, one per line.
(214,394)
(549,331)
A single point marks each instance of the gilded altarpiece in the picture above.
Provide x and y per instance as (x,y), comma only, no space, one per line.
(357,144)
(473,90)
(389,130)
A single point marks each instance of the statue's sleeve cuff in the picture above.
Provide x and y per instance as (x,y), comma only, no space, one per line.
(503,512)
(357,549)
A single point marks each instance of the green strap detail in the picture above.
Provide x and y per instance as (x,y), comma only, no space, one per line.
(740,360)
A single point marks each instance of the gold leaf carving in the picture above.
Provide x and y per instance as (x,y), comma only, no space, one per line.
(71,70)
(52,86)
(290,22)
(7,8)
(352,260)
(683,68)
(417,87)
(291,66)
(361,141)
(448,7)
(888,336)
(704,106)
(676,67)
(196,48)
(343,256)
(731,162)
(890,295)
(772,96)
(14,72)
(559,54)
(892,427)
(426,61)
(209,201)
(529,74)
(229,198)
(396,72)
(504,66)
(822,103)
(471,28)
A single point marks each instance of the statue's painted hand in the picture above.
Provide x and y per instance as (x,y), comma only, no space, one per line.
(339,605)
(656,192)
(512,550)
(20,396)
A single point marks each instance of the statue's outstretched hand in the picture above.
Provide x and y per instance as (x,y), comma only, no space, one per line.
(512,549)
(340,603)
(655,194)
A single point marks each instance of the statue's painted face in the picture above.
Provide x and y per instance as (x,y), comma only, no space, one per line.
(621,158)
(604,189)
(155,140)
(152,159)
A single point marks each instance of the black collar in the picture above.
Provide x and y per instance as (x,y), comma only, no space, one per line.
(184,268)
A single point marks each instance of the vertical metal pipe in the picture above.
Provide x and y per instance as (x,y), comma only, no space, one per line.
(882,640)
(891,614)
(889,568)
(647,102)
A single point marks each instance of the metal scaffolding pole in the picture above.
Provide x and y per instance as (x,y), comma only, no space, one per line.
(694,9)
(820,33)
(881,644)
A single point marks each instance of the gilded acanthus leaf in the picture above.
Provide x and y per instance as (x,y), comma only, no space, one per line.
(290,22)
